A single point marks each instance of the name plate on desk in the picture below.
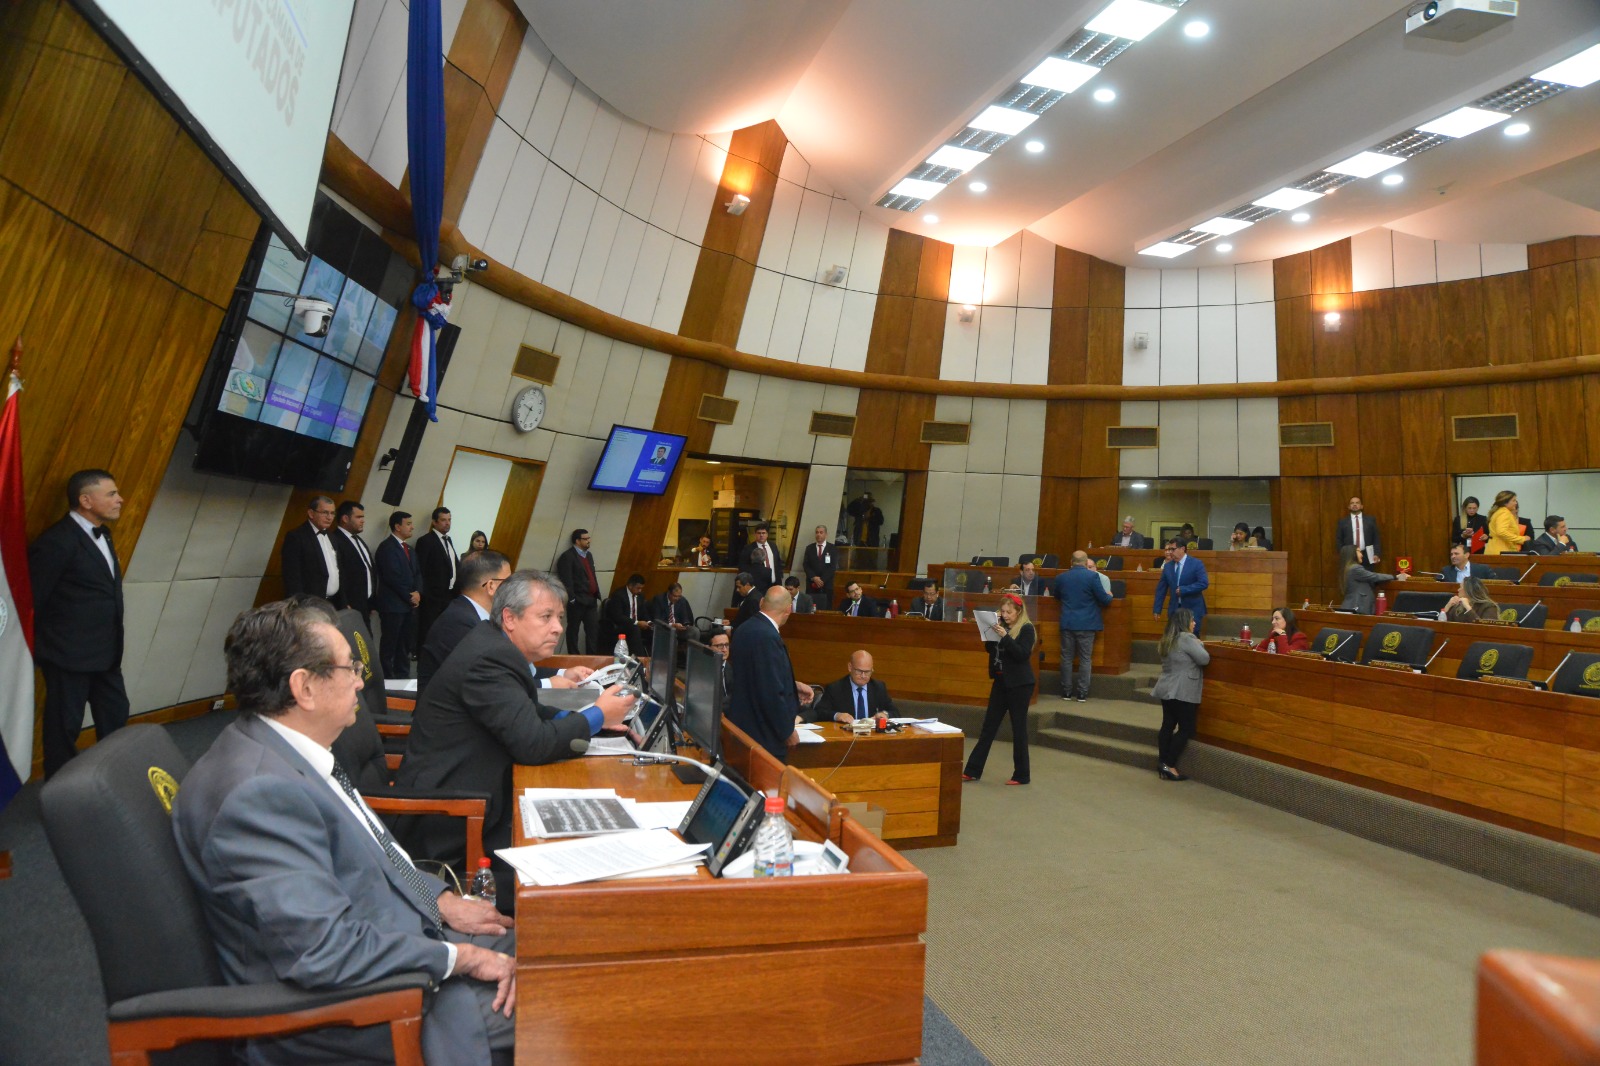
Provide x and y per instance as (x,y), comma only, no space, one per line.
(1508,682)
(1317,655)
(1388,664)
(1232,642)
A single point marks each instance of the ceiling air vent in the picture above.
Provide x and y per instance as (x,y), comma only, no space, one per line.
(718,409)
(830,424)
(946,432)
(536,364)
(1305,435)
(1133,437)
(1485,427)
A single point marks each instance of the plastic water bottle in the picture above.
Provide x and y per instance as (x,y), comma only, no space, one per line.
(620,652)
(1383,603)
(1576,626)
(482,882)
(774,842)
(1272,646)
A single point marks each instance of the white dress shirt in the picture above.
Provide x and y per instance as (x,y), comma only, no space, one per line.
(330,558)
(99,542)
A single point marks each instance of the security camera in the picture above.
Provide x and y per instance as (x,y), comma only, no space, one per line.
(464,263)
(1430,11)
(313,315)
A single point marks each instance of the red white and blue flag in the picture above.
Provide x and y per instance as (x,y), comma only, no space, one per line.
(16,601)
(433,309)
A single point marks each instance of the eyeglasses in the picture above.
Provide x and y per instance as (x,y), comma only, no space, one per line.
(358,669)
(863,673)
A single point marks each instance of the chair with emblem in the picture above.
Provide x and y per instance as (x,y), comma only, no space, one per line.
(1561,581)
(1577,675)
(1418,602)
(1496,573)
(1202,544)
(1588,621)
(1484,658)
(1337,645)
(991,560)
(1526,615)
(107,817)
(1045,560)
(1110,562)
(1399,644)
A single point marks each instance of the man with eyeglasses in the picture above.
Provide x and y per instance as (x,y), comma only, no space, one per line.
(308,556)
(856,695)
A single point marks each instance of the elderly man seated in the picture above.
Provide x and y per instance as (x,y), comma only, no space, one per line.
(856,695)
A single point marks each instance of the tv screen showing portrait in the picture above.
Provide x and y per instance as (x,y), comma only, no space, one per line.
(637,460)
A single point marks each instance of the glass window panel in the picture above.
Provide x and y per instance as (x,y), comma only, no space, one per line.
(376,339)
(291,382)
(348,421)
(1575,496)
(250,372)
(280,270)
(349,323)
(328,384)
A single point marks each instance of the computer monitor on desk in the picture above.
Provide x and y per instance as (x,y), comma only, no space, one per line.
(663,665)
(702,700)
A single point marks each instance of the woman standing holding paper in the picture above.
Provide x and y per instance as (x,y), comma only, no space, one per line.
(1183,663)
(1010,644)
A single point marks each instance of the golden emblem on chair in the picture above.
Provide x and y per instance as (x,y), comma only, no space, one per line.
(1593,624)
(1329,644)
(1391,643)
(1563,582)
(1508,614)
(1591,676)
(164,785)
(1487,661)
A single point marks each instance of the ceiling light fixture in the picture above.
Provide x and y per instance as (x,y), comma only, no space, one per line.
(966,313)
(1167,249)
(1196,29)
(1224,248)
(1222,226)
(1463,122)
(957,158)
(1105,94)
(1287,199)
(737,205)
(1366,164)
(1516,129)
(917,187)
(931,219)
(1578,71)
(979,186)
(1062,75)
(997,119)
(1300,216)
(1330,322)
(1393,179)
(1132,19)
(1034,146)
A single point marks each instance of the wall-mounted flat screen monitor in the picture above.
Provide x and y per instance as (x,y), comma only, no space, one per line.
(637,460)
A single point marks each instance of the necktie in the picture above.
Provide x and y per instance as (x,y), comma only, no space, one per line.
(419,887)
(861,702)
(1357,520)
(633,608)
(853,605)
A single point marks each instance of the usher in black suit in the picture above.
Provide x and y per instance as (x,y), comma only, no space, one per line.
(305,568)
(355,565)
(437,559)
(77,636)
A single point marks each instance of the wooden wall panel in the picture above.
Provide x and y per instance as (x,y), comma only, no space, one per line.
(1301,462)
(1417,336)
(1291,276)
(1507,319)
(1587,272)
(1461,326)
(1348,435)
(1332,268)
(1553,297)
(1058,513)
(1097,510)
(1522,453)
(1381,442)
(1296,510)
(1296,349)
(1424,432)
(1095,416)
(913,507)
(1474,455)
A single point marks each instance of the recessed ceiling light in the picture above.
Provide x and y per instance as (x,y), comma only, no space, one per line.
(1463,122)
(1517,129)
(998,119)
(1034,146)
(1224,247)
(930,219)
(1300,216)
(1105,94)
(1366,164)
(1222,226)
(1582,69)
(1196,28)
(979,186)
(1393,179)
(922,190)
(1167,249)
(1287,199)
(1062,75)
(957,158)
(1133,19)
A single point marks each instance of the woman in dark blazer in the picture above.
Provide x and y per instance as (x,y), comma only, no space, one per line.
(1011,667)
(1360,584)
(1183,663)
(1468,524)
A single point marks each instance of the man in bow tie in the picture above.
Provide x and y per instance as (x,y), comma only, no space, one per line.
(77,617)
(310,563)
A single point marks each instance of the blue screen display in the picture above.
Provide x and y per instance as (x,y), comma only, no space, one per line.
(637,460)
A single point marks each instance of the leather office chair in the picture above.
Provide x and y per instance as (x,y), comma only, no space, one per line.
(1119,589)
(1496,573)
(1418,602)
(1399,644)
(1486,658)
(1560,580)
(1578,676)
(1588,621)
(1110,562)
(106,818)
(991,560)
(1526,615)
(393,725)
(1337,645)
(1046,560)
(1204,544)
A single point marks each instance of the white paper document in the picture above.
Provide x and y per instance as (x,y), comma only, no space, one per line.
(404,684)
(668,815)
(570,862)
(938,727)
(986,621)
(609,746)
(912,721)
(808,733)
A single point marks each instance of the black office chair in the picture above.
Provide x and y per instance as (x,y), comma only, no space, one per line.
(917,584)
(1496,573)
(1398,644)
(1561,581)
(1526,615)
(1044,561)
(1110,562)
(1579,675)
(392,725)
(991,560)
(1337,645)
(1588,621)
(106,817)
(1418,602)
(1119,588)
(1203,544)
(1485,658)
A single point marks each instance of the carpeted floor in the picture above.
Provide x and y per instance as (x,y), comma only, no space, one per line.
(1101,915)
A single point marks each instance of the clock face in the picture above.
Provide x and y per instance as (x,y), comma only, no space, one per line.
(527,411)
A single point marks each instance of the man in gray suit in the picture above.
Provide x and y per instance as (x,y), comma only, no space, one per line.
(301,883)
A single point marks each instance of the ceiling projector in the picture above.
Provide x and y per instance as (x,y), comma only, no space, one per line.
(1459,20)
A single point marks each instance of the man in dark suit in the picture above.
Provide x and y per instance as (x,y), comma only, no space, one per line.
(868,519)
(302,883)
(856,695)
(762,561)
(858,605)
(481,575)
(930,606)
(1460,565)
(1184,580)
(358,577)
(672,609)
(310,563)
(1360,530)
(819,566)
(721,642)
(764,699)
(481,716)
(1082,596)
(626,612)
(77,618)
(575,570)
(1029,583)
(749,598)
(803,604)
(1554,540)
(1127,538)
(438,561)
(399,592)
(703,556)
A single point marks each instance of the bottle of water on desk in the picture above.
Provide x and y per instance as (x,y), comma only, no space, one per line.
(774,843)
(620,652)
(483,881)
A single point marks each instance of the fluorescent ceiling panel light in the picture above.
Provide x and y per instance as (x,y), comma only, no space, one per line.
(960,158)
(1222,226)
(998,119)
(1463,122)
(1582,69)
(1062,75)
(1132,19)
(916,187)
(1287,199)
(1366,164)
(1167,249)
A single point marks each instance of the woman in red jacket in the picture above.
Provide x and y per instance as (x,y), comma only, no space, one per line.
(1285,635)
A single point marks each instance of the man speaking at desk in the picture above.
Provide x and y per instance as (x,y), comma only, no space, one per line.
(764,699)
(1184,580)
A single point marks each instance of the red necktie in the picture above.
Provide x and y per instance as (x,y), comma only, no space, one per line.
(588,566)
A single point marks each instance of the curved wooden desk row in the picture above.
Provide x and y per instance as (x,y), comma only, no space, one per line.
(1549,646)
(698,970)
(1566,563)
(1524,759)
(1559,601)
(1542,1009)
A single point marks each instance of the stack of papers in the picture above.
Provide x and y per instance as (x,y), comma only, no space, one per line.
(645,815)
(810,733)
(644,853)
(927,725)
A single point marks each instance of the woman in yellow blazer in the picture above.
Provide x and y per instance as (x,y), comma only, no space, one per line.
(1505,534)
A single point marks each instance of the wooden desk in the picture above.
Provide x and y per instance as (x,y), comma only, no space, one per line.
(1549,646)
(1559,600)
(1524,759)
(1566,563)
(914,776)
(698,970)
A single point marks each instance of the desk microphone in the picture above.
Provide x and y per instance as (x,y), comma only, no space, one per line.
(1526,572)
(651,758)
(579,745)
(1341,644)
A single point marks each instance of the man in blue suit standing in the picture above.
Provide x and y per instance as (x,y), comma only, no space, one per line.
(763,697)
(399,592)
(1082,596)
(1183,579)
